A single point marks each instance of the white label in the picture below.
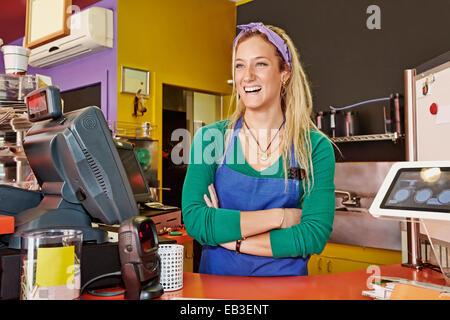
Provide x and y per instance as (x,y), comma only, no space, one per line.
(443,115)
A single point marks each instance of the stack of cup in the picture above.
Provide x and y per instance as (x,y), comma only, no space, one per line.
(16,59)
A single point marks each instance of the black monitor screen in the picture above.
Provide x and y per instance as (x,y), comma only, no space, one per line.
(134,171)
(419,189)
(82,97)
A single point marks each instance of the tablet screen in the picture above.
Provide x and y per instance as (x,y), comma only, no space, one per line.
(419,189)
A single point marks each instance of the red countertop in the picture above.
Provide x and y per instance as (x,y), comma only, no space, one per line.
(341,286)
(6,224)
(180,239)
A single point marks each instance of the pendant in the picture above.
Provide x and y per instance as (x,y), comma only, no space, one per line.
(264,156)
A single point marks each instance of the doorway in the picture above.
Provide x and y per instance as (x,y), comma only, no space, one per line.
(183,109)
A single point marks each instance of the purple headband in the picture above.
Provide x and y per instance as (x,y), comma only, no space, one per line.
(272,36)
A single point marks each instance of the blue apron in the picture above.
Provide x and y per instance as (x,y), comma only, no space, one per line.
(237,191)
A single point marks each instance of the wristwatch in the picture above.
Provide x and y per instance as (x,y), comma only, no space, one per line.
(238,246)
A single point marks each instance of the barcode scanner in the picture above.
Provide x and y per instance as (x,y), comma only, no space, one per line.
(139,259)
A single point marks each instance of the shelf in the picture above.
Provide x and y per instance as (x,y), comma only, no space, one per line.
(15,88)
(370,137)
(132,130)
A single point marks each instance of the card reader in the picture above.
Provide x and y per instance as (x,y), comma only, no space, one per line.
(139,259)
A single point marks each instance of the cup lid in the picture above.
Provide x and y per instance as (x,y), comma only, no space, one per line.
(21,49)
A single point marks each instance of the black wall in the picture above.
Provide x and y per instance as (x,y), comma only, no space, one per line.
(345,61)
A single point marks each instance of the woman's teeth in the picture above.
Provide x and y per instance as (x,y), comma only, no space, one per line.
(252,89)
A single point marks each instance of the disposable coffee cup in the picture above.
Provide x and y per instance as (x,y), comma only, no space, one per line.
(16,59)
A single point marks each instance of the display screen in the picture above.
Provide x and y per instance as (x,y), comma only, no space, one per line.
(37,103)
(419,189)
(82,97)
(146,236)
(133,171)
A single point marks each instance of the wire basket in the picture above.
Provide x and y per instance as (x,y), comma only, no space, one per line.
(171,256)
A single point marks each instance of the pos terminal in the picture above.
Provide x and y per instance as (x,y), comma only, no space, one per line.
(82,180)
(78,168)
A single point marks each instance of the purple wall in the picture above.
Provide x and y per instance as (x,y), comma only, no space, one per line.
(97,68)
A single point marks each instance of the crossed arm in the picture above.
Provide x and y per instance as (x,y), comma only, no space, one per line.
(265,231)
(256,225)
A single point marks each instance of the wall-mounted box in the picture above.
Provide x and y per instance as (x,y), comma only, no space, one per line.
(91,32)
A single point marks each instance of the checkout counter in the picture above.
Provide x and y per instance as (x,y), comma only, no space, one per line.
(391,202)
(339,286)
(83,176)
(342,286)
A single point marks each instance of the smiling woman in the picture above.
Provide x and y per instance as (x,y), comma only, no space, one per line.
(257,67)
(267,201)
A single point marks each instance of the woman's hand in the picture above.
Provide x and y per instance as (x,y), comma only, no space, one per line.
(214,201)
(292,216)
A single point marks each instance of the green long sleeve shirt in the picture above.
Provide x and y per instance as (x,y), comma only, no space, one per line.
(214,226)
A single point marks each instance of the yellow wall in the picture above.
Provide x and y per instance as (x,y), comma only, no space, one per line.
(182,43)
(238,3)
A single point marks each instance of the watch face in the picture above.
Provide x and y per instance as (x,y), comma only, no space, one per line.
(146,236)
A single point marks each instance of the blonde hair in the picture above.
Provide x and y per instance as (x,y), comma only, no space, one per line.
(297,107)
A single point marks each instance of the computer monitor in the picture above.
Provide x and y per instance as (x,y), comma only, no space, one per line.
(134,171)
(418,189)
(78,168)
(82,97)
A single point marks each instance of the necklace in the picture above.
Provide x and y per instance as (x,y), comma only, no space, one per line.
(264,154)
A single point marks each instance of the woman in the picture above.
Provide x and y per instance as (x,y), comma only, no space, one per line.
(242,196)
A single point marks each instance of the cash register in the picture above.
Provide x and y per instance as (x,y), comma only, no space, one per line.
(82,178)
(78,168)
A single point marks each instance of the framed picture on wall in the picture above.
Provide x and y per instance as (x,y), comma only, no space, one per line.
(46,21)
(134,80)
